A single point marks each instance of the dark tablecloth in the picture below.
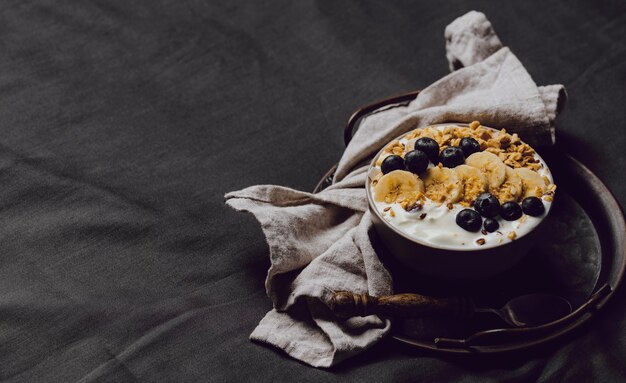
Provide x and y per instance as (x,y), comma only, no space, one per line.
(124,123)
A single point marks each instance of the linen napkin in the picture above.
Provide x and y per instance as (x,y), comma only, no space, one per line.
(321,243)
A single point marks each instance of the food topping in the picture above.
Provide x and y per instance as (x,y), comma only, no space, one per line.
(452,156)
(391,163)
(487,205)
(533,206)
(490,225)
(416,161)
(511,211)
(428,146)
(469,220)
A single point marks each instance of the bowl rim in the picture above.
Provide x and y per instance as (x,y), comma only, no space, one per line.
(373,208)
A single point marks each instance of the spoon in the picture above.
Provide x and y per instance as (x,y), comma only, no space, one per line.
(531,310)
(526,310)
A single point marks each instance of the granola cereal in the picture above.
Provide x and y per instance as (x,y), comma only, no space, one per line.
(508,147)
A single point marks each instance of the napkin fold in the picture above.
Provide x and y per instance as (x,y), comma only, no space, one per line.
(321,243)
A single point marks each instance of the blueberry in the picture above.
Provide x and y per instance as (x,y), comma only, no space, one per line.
(452,157)
(391,163)
(416,161)
(428,146)
(469,145)
(511,211)
(469,220)
(491,225)
(533,206)
(487,205)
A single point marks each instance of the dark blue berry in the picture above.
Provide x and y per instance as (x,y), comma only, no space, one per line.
(487,205)
(533,206)
(511,211)
(391,163)
(469,220)
(428,146)
(452,157)
(416,161)
(491,225)
(469,145)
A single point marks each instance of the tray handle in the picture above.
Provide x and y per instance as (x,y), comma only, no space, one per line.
(351,125)
(361,112)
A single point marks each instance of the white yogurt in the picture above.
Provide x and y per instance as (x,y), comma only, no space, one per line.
(435,224)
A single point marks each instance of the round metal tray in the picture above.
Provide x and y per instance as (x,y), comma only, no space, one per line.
(583,260)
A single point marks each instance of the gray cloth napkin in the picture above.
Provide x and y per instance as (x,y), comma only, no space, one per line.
(320,243)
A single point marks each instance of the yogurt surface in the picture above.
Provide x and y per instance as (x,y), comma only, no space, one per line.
(433,223)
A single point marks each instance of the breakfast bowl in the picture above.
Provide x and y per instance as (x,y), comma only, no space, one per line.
(582,258)
(459,201)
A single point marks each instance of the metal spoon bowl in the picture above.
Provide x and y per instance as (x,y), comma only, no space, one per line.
(531,310)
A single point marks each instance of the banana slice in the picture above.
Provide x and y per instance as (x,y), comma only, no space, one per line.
(397,186)
(511,189)
(472,181)
(443,185)
(490,165)
(534,184)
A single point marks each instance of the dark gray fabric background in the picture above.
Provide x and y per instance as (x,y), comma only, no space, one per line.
(124,123)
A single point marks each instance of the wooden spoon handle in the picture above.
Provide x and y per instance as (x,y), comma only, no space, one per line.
(346,304)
